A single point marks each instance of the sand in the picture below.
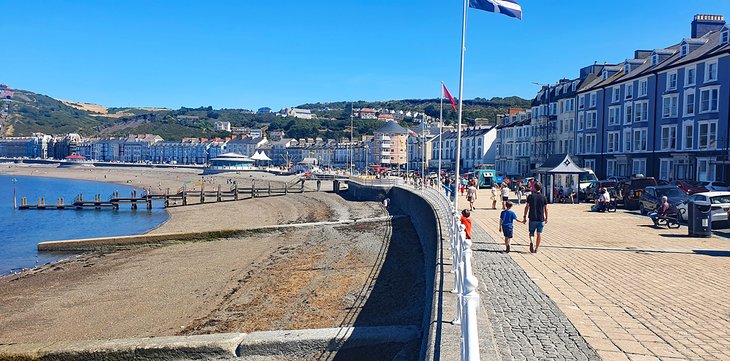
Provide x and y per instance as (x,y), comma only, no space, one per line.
(304,278)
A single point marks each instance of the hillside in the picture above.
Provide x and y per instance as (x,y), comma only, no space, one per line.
(29,112)
(478,108)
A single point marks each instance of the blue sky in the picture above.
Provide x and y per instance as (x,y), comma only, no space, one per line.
(250,54)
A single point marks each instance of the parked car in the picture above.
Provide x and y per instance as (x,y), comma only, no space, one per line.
(716,186)
(689,186)
(590,194)
(652,197)
(720,202)
(631,190)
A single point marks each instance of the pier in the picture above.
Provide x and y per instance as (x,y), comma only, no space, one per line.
(177,198)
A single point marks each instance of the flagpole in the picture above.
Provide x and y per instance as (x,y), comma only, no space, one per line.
(461,103)
(441,126)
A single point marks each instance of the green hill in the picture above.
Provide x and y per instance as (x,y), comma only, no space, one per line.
(30,112)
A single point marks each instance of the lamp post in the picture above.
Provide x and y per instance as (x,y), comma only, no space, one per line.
(366,159)
(15,198)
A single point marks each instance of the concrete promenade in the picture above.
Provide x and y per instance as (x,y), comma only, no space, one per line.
(632,291)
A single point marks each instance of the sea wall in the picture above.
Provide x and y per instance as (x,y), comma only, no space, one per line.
(404,201)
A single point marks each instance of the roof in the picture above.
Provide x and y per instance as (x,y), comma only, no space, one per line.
(560,164)
(392,127)
(233,157)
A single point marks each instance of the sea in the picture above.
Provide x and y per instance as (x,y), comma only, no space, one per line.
(22,230)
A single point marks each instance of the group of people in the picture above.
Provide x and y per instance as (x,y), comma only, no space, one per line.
(535,213)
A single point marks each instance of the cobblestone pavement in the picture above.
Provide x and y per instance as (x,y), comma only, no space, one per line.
(634,292)
(523,322)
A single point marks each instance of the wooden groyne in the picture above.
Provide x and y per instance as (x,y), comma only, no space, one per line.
(179,198)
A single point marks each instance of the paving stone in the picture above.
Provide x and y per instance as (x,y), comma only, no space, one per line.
(524,319)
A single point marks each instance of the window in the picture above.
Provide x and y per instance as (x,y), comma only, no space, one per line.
(628,113)
(640,139)
(590,143)
(629,91)
(571,124)
(639,166)
(593,100)
(641,110)
(613,142)
(581,102)
(580,144)
(707,135)
(627,68)
(705,169)
(711,71)
(592,120)
(627,140)
(690,76)
(665,169)
(688,131)
(614,115)
(725,37)
(643,87)
(654,59)
(709,99)
(670,106)
(672,80)
(589,164)
(616,94)
(689,103)
(685,50)
(581,121)
(669,137)
(610,168)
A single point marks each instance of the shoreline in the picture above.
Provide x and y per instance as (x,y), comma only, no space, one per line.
(179,218)
(292,278)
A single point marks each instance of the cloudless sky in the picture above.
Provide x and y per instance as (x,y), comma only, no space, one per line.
(250,54)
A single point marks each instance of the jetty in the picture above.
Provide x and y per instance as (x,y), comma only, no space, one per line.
(177,198)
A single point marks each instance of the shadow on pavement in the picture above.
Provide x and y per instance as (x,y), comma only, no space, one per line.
(712,253)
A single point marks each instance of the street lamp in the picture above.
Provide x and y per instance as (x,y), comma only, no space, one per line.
(366,159)
(15,199)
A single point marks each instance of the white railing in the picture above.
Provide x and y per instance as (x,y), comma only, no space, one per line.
(465,283)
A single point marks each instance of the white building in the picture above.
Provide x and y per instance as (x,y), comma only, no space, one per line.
(223,126)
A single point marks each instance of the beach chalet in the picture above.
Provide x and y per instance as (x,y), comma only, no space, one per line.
(229,162)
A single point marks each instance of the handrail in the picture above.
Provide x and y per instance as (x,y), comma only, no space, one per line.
(466,284)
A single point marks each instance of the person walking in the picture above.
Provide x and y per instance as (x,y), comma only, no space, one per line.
(471,195)
(494,195)
(506,222)
(505,195)
(520,192)
(536,208)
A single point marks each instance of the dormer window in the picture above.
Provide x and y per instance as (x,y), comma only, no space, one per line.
(605,75)
(654,59)
(627,68)
(685,50)
(725,37)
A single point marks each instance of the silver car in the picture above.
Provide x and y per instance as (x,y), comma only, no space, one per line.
(720,202)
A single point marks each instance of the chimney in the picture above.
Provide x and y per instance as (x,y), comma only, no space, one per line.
(704,24)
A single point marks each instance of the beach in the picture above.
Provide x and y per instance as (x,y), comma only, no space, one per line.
(308,277)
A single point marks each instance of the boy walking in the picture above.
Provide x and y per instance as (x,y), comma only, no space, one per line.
(506,222)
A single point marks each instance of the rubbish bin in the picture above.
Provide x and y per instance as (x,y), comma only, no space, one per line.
(699,219)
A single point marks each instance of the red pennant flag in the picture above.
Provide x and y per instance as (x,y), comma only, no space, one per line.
(448,95)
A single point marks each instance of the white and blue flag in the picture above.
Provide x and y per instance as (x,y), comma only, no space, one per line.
(506,7)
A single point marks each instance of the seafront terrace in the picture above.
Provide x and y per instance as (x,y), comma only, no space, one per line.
(632,291)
